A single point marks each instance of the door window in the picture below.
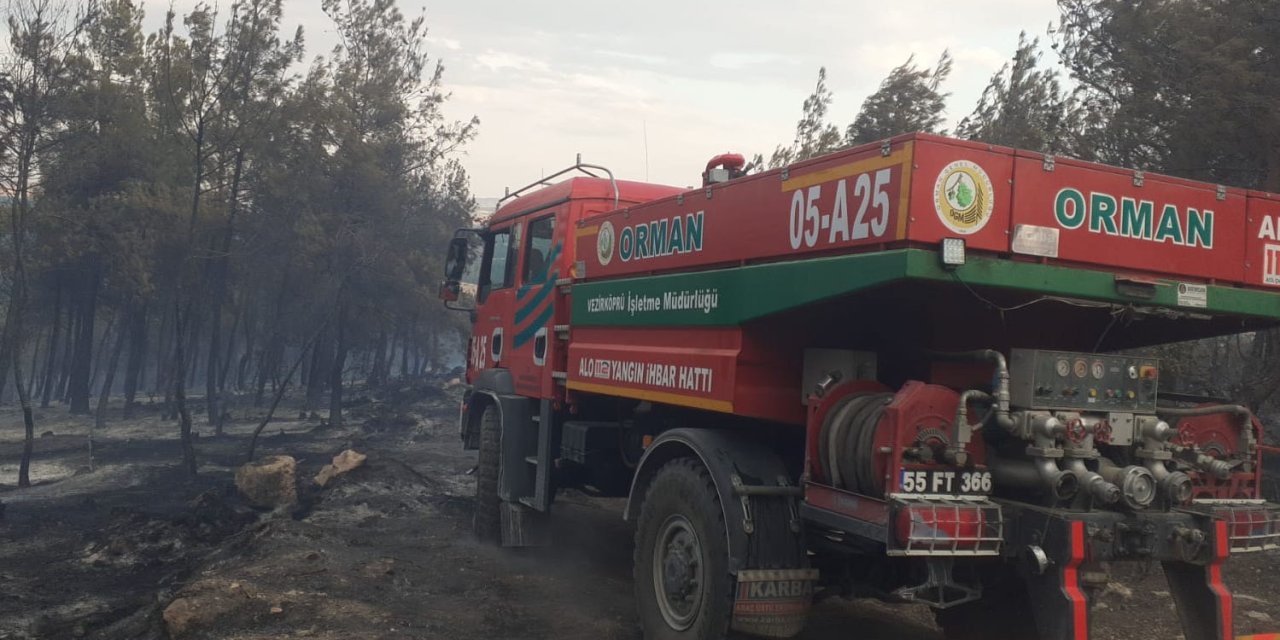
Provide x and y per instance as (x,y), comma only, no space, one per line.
(537,252)
(500,263)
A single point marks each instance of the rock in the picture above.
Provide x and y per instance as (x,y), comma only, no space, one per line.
(46,434)
(1258,615)
(181,617)
(378,568)
(342,463)
(455,382)
(201,606)
(1115,588)
(270,482)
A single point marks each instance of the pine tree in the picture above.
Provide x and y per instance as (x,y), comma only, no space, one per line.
(814,134)
(910,99)
(1023,106)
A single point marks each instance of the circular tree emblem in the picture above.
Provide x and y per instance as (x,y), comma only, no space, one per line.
(604,243)
(963,197)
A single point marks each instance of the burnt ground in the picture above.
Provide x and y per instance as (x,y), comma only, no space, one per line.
(385,552)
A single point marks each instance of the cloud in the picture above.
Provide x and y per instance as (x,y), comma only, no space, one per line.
(503,60)
(448,44)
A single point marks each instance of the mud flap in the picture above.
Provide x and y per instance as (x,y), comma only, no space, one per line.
(1061,608)
(1203,600)
(523,527)
(773,603)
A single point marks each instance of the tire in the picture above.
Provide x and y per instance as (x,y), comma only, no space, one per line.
(683,587)
(1004,606)
(487,521)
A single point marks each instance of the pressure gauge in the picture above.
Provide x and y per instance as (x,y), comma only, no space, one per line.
(1064,368)
(1081,368)
(1098,370)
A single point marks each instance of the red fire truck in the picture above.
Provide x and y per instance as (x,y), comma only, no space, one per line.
(910,370)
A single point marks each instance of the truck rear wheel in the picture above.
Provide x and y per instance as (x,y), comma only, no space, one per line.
(683,587)
(487,521)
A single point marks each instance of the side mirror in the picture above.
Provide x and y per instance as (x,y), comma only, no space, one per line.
(449,290)
(455,263)
(460,263)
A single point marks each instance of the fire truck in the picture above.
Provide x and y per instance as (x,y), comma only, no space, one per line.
(912,370)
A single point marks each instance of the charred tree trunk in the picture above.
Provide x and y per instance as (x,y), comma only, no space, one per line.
(321,360)
(211,403)
(433,349)
(68,352)
(267,366)
(180,398)
(12,335)
(193,348)
(100,352)
(404,354)
(215,370)
(375,376)
(78,389)
(246,356)
(338,368)
(224,369)
(35,365)
(389,363)
(28,427)
(104,396)
(46,386)
(137,357)
(8,343)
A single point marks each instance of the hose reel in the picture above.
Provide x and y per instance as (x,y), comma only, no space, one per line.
(846,443)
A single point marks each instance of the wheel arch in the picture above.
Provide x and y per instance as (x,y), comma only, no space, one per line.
(727,455)
(488,387)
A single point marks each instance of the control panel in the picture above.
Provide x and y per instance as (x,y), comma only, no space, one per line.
(1082,381)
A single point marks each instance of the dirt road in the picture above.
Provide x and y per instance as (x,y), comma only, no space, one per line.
(384,553)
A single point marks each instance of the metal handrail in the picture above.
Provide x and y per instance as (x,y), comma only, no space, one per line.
(577,166)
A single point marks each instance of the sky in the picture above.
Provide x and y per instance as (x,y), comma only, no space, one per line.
(652,89)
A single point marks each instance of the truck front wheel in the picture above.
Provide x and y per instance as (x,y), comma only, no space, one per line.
(683,587)
(487,523)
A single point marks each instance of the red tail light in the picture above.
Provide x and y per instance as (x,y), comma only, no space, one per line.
(948,528)
(1250,528)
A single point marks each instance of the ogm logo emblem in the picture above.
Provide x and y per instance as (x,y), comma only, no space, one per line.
(605,239)
(963,197)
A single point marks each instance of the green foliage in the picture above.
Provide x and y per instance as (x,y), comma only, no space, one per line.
(1023,106)
(814,134)
(1181,86)
(910,99)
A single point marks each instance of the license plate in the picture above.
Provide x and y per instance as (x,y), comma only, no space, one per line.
(946,482)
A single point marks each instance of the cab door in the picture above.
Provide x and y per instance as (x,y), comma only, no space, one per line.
(541,257)
(495,295)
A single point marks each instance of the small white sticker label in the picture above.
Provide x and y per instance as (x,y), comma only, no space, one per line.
(1034,240)
(1193,295)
